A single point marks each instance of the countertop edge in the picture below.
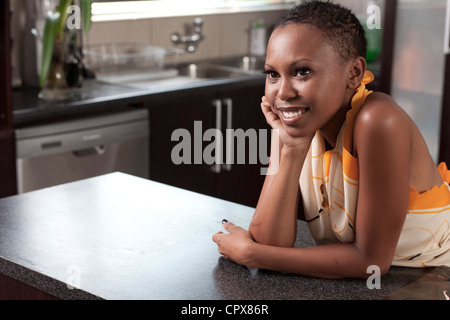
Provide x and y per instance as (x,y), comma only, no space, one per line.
(41,282)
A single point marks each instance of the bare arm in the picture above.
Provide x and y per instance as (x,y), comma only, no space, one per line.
(275,219)
(381,210)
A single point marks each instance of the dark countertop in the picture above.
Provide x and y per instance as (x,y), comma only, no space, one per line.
(122,237)
(102,97)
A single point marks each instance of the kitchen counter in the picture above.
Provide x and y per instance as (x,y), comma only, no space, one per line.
(102,97)
(121,237)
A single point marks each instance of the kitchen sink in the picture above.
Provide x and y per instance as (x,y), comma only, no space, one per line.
(207,71)
(188,73)
(246,63)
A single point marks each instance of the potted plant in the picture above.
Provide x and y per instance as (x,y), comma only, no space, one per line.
(58,41)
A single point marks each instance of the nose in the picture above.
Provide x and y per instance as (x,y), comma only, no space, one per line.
(286,90)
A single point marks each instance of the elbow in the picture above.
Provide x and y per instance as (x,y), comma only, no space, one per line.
(267,238)
(376,270)
(377,267)
(384,267)
(374,261)
(372,264)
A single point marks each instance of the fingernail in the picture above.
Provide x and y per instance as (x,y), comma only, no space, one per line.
(224,221)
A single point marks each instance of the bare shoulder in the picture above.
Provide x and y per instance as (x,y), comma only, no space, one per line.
(384,128)
(381,119)
(380,110)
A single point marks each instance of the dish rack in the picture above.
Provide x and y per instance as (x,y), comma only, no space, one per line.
(128,57)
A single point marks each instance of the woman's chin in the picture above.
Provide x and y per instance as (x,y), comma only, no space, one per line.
(297,132)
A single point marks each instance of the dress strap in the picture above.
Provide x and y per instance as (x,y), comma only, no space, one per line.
(358,100)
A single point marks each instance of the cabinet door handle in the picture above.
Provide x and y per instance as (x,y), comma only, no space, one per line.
(447,30)
(218,105)
(229,134)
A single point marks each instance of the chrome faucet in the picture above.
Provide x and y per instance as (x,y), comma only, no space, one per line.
(190,40)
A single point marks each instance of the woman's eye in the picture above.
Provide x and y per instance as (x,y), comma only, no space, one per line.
(271,74)
(302,71)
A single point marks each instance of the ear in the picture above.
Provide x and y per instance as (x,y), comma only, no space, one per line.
(356,72)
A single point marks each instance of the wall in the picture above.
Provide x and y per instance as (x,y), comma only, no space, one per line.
(225,34)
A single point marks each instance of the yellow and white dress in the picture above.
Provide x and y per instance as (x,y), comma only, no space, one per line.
(329,183)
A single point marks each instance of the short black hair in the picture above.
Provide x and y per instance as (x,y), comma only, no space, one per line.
(343,29)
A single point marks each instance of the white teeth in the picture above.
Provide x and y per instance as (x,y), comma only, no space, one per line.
(288,114)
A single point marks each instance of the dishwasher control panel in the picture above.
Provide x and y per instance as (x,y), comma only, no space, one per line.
(72,136)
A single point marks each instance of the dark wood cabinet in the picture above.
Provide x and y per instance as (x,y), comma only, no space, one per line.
(182,120)
(249,140)
(7,140)
(205,142)
(444,151)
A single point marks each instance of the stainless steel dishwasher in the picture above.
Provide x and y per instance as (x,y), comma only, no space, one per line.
(61,152)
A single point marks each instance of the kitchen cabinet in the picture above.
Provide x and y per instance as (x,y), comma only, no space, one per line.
(7,142)
(383,83)
(444,151)
(166,118)
(183,148)
(242,182)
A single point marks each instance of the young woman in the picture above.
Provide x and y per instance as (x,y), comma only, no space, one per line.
(371,194)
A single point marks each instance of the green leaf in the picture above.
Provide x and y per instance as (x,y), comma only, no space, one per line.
(48,40)
(62,9)
(86,13)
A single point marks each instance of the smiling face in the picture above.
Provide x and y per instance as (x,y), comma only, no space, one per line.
(307,82)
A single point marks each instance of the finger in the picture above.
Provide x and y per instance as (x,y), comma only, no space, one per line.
(271,117)
(227,225)
(265,101)
(216,237)
(267,111)
(273,120)
(266,106)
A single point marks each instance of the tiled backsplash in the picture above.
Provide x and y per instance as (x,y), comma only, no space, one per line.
(225,34)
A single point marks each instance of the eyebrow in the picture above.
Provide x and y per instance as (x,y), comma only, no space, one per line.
(294,62)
